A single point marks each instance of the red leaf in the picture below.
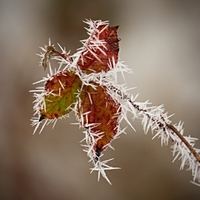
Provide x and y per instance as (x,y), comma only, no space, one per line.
(103,111)
(101,49)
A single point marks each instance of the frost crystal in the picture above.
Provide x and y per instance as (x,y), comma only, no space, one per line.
(86,83)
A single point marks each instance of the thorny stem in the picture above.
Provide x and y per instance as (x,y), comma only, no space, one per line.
(160,124)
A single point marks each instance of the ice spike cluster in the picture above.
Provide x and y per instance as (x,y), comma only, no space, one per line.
(86,83)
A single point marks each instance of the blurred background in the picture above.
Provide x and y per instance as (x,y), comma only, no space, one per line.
(160,41)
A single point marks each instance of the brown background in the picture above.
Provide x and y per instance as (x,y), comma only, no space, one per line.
(160,41)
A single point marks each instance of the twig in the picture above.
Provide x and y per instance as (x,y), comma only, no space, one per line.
(159,123)
(196,155)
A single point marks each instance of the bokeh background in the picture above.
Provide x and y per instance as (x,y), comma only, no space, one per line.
(160,41)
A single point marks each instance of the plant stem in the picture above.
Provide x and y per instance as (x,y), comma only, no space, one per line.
(159,123)
(187,144)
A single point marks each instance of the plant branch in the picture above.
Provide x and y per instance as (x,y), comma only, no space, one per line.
(160,123)
(196,155)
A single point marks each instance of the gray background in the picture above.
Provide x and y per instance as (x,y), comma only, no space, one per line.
(160,42)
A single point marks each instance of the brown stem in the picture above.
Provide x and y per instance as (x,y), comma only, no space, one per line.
(51,51)
(170,126)
(196,155)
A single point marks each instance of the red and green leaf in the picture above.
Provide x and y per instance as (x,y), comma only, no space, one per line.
(62,89)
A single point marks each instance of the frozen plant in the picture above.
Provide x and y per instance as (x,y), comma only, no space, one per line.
(86,83)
